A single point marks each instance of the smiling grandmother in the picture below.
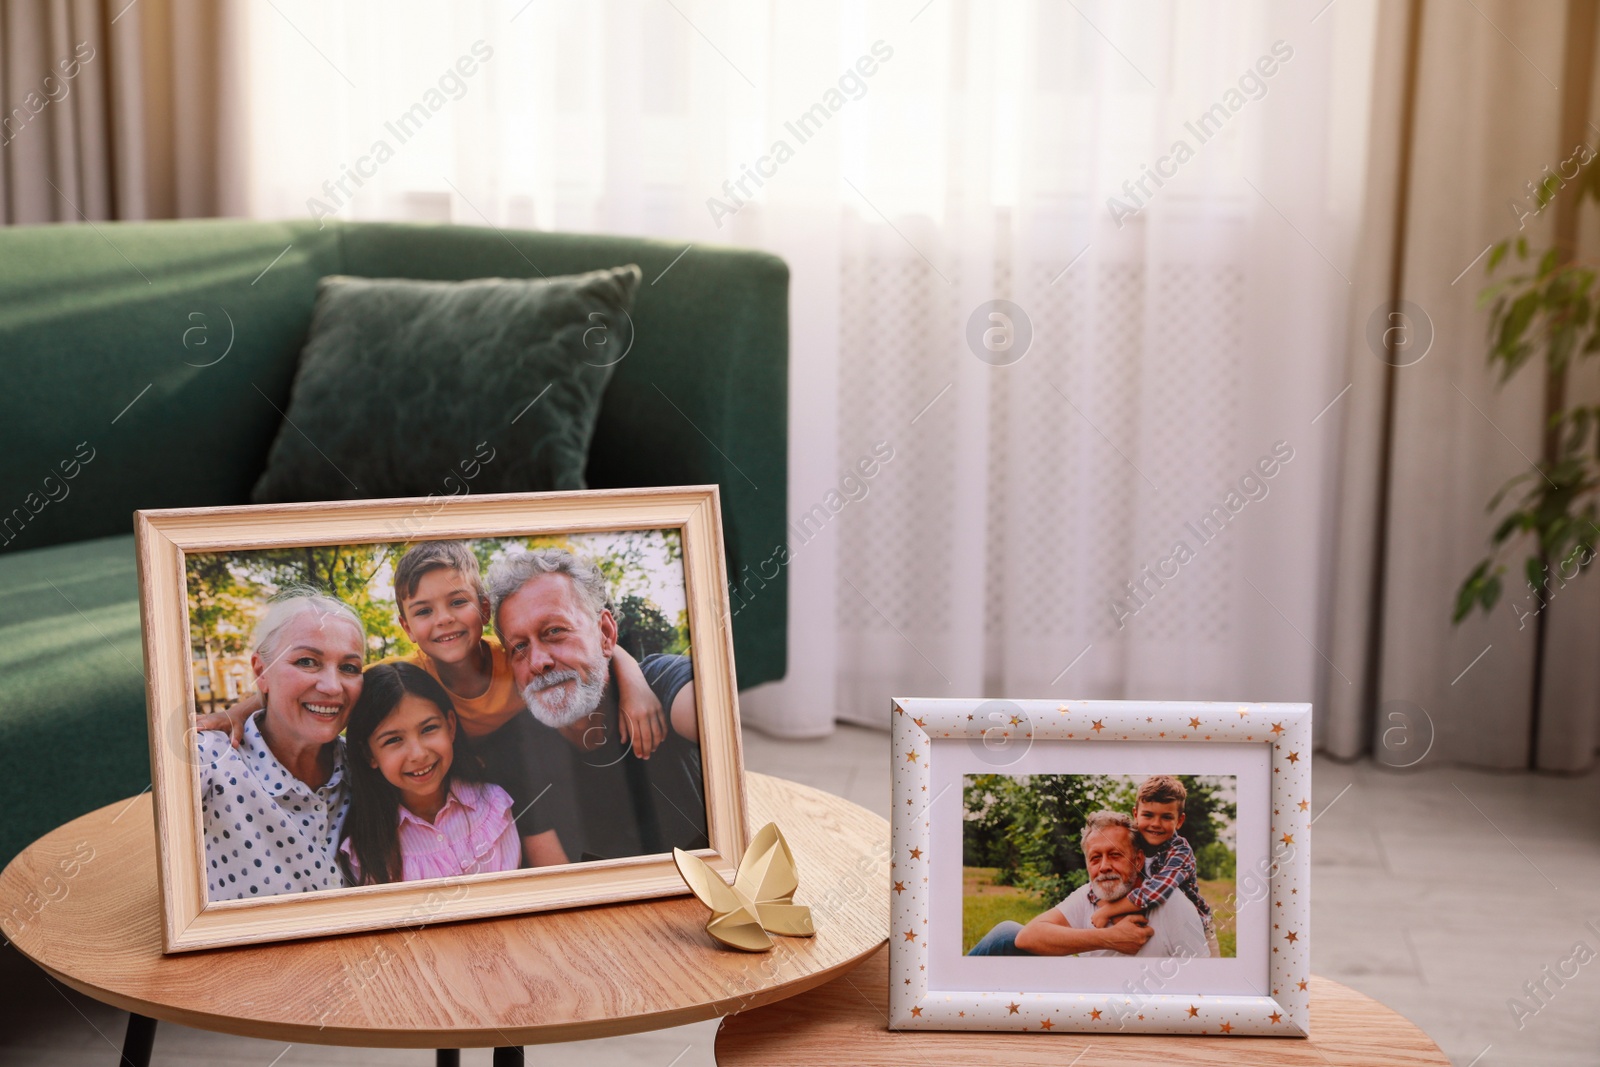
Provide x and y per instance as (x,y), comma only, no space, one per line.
(272,809)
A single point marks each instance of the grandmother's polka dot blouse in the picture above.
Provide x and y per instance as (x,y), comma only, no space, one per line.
(266,832)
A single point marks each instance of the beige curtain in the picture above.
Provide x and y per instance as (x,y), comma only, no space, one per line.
(1473,101)
(114,109)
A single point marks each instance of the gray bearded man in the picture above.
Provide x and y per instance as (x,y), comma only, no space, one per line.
(564,763)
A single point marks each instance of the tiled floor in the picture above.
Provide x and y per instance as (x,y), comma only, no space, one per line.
(1440,892)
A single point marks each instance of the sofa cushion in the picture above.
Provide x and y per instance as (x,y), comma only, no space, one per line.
(411,388)
(72,709)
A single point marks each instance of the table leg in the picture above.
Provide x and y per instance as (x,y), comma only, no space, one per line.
(138,1041)
(508,1057)
(448,1057)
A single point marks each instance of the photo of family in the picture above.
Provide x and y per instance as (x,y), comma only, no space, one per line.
(1098,865)
(377,713)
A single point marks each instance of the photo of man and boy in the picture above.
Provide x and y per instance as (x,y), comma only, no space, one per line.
(1099,865)
(383,713)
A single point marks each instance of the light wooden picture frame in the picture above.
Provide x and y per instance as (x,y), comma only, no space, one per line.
(167,538)
(1260,753)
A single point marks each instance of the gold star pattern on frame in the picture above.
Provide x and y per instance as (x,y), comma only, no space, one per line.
(942,731)
(761,898)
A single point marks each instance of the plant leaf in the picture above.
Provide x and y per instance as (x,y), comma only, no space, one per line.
(1496,254)
(1470,592)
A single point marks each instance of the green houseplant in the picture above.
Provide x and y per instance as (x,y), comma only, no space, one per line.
(1547,311)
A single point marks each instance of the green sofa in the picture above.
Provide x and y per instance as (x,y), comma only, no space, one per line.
(113,339)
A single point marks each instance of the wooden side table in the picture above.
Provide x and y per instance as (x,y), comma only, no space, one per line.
(519,980)
(846,1021)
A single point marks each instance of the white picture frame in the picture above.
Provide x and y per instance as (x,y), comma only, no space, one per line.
(1259,993)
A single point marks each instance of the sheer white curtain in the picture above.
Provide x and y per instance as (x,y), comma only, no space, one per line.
(1090,519)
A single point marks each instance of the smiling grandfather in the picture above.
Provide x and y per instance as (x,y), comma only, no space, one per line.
(551,611)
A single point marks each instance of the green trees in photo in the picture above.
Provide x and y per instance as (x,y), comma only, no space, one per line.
(228,591)
(221,616)
(632,562)
(643,629)
(1028,827)
(344,571)
(1215,861)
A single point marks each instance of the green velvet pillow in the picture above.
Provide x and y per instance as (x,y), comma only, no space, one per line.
(412,388)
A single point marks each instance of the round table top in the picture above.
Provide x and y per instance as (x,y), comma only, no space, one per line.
(846,1021)
(517,980)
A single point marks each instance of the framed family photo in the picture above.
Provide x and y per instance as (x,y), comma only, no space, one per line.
(399,712)
(1101,866)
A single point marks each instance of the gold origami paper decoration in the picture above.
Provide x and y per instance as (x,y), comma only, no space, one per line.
(760,899)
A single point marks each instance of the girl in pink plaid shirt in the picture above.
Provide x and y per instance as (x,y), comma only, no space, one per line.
(418,808)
